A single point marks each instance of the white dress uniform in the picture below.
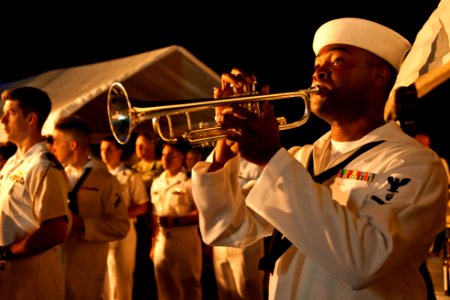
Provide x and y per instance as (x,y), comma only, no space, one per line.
(397,190)
(33,188)
(106,219)
(122,253)
(178,249)
(236,269)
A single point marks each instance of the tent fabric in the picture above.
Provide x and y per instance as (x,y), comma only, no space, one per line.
(170,73)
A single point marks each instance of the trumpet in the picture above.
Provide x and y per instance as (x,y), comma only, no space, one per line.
(124,118)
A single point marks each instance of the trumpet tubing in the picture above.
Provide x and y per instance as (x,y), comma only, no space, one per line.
(123,118)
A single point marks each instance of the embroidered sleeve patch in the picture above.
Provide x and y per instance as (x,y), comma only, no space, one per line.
(393,185)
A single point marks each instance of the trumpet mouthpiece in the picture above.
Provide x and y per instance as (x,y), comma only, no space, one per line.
(314,89)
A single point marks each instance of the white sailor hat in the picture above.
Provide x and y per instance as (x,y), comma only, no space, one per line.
(365,34)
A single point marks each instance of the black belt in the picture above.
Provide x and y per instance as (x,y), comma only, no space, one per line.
(170,222)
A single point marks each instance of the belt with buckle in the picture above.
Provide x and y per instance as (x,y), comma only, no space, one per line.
(170,221)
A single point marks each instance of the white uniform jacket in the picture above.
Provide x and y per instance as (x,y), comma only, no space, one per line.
(33,188)
(132,185)
(360,235)
(105,219)
(172,196)
(121,256)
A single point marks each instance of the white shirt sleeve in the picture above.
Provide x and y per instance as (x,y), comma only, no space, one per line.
(225,220)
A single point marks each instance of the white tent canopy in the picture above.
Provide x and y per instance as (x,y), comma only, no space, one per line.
(170,73)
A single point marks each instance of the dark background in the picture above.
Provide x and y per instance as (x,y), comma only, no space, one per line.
(273,40)
(270,38)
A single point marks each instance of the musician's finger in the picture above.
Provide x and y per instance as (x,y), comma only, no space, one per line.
(267,110)
(237,119)
(221,111)
(246,77)
(217,92)
(229,79)
(237,72)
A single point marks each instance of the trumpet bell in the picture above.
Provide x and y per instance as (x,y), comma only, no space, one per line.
(172,120)
(119,113)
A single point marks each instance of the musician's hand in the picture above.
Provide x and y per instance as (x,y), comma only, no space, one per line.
(257,138)
(237,82)
(234,83)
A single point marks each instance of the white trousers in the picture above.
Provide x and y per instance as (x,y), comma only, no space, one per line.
(120,267)
(33,278)
(178,263)
(237,273)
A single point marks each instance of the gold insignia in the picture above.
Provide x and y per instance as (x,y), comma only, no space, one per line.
(18,178)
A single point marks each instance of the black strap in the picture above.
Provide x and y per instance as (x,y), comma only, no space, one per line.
(279,244)
(73,203)
(327,174)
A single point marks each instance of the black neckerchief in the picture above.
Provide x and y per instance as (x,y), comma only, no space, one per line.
(73,203)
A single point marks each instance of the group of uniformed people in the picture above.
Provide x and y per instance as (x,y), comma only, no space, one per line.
(68,217)
(352,216)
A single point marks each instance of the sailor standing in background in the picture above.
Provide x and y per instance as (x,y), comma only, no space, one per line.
(34,217)
(177,248)
(122,253)
(99,213)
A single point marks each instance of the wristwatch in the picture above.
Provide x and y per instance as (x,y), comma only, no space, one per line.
(5,253)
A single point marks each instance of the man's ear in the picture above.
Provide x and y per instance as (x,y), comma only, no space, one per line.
(32,118)
(73,145)
(380,75)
